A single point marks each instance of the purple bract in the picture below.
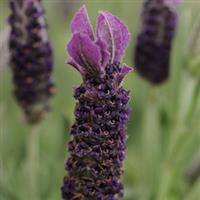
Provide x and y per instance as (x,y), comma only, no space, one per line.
(90,55)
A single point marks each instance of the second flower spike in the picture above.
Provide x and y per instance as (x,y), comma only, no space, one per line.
(154,42)
(31,58)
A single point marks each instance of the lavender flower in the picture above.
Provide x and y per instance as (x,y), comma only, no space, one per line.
(97,149)
(152,51)
(31,58)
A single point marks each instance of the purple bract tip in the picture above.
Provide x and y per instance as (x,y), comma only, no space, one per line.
(89,54)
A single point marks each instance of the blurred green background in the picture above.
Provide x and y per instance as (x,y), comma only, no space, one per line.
(164,128)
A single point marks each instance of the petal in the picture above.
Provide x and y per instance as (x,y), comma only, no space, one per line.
(124,71)
(81,23)
(114,33)
(74,64)
(86,53)
(104,53)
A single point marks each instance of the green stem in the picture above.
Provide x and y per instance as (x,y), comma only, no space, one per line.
(183,124)
(194,102)
(179,136)
(194,37)
(32,163)
(151,141)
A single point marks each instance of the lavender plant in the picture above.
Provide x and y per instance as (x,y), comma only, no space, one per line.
(31,58)
(97,148)
(154,42)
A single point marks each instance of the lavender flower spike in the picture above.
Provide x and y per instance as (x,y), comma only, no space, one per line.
(97,148)
(153,48)
(31,58)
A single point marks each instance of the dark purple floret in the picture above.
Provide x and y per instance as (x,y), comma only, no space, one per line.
(98,146)
(154,42)
(31,58)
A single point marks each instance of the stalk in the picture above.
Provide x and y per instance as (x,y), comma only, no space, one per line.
(32,163)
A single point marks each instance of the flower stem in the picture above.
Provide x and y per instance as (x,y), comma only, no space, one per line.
(151,140)
(32,162)
(194,102)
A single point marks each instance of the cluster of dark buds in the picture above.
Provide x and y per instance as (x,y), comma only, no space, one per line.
(154,42)
(31,58)
(97,148)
